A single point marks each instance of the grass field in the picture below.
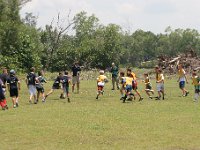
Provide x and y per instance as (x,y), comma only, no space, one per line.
(85,123)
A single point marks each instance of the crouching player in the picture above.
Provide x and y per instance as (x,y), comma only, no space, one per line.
(65,86)
(39,86)
(148,88)
(128,81)
(13,87)
(196,83)
(101,80)
(3,102)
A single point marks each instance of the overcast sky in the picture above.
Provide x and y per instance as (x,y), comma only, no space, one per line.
(149,15)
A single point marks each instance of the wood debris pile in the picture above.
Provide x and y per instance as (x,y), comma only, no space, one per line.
(189,60)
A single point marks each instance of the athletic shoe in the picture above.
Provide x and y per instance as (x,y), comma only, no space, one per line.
(35,102)
(186,94)
(157,98)
(68,99)
(17,105)
(141,98)
(6,107)
(14,106)
(150,97)
(97,97)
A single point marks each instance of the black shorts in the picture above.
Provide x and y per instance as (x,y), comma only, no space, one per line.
(14,92)
(148,87)
(55,87)
(40,89)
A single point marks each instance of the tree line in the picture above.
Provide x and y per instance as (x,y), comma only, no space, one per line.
(82,38)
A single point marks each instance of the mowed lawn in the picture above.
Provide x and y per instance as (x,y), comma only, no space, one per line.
(85,123)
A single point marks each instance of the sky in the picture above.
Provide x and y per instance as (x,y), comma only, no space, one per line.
(148,15)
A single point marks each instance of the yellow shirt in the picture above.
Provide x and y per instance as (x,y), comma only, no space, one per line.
(101,78)
(128,81)
(181,73)
(195,80)
(133,76)
(147,80)
(160,77)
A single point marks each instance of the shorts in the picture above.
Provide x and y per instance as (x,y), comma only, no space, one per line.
(197,89)
(55,87)
(182,84)
(128,88)
(160,87)
(32,89)
(14,93)
(66,89)
(100,88)
(40,89)
(75,79)
(148,87)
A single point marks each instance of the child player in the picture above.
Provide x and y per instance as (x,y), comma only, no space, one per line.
(101,80)
(13,86)
(196,83)
(160,83)
(148,88)
(182,79)
(65,86)
(56,85)
(128,81)
(122,88)
(134,85)
(3,102)
(39,86)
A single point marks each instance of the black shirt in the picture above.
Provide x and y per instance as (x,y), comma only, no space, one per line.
(57,81)
(65,81)
(31,77)
(12,81)
(75,70)
(4,77)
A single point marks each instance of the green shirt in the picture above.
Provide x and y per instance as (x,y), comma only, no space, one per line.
(114,71)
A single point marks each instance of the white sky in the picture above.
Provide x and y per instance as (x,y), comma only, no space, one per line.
(148,15)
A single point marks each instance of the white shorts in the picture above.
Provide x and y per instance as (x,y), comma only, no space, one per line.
(32,89)
(160,87)
(101,84)
(75,80)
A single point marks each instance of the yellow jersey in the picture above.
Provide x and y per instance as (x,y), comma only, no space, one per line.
(128,81)
(160,77)
(133,75)
(195,80)
(101,78)
(147,80)
(181,73)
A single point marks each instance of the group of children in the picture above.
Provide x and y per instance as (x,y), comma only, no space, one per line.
(129,84)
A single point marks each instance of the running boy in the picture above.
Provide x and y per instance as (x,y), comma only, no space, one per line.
(122,88)
(39,86)
(31,81)
(13,84)
(134,85)
(101,80)
(56,85)
(148,88)
(182,79)
(196,83)
(3,102)
(65,86)
(160,83)
(128,81)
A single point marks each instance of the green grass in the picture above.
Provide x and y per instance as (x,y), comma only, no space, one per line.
(86,123)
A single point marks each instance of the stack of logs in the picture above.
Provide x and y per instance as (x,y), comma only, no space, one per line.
(190,61)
